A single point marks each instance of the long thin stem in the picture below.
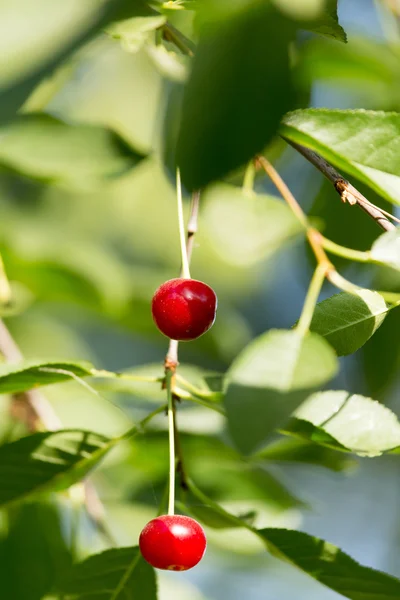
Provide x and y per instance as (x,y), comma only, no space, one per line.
(346,191)
(311,300)
(171,436)
(283,189)
(182,237)
(249,178)
(342,251)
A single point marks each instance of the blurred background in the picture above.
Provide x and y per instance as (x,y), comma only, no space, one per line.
(84,258)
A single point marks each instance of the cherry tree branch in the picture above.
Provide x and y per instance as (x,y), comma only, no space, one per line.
(346,191)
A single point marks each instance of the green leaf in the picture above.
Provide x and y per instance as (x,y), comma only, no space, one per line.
(135,32)
(304,451)
(364,143)
(239,89)
(347,321)
(319,16)
(117,574)
(34,549)
(270,379)
(358,424)
(328,23)
(386,249)
(31,374)
(330,566)
(36,52)
(45,148)
(48,461)
(258,224)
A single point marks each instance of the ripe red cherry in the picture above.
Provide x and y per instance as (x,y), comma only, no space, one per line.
(184,309)
(173,542)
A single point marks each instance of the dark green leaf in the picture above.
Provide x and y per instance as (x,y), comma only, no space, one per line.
(347,321)
(117,574)
(48,461)
(303,451)
(270,379)
(239,89)
(330,566)
(381,365)
(29,374)
(45,148)
(363,143)
(33,550)
(349,422)
(328,23)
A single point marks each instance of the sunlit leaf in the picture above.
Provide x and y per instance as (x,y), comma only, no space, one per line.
(347,321)
(386,249)
(363,143)
(29,374)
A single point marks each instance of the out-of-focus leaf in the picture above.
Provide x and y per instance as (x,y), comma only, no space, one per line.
(319,16)
(381,367)
(363,143)
(45,148)
(33,550)
(386,249)
(245,229)
(134,32)
(351,422)
(239,89)
(49,461)
(347,321)
(34,47)
(117,574)
(30,374)
(330,566)
(301,451)
(270,379)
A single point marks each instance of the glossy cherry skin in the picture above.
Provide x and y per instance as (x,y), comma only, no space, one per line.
(173,542)
(184,309)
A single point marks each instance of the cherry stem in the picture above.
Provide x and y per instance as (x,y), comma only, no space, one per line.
(171,435)
(182,236)
(311,299)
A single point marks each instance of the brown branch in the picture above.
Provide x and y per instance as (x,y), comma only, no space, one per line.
(33,409)
(346,191)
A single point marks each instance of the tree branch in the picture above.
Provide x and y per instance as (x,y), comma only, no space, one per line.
(346,191)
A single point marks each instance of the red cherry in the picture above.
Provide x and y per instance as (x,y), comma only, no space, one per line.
(173,542)
(184,309)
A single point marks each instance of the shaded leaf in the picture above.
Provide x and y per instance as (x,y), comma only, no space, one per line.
(270,379)
(16,378)
(349,422)
(48,461)
(330,566)
(328,23)
(304,451)
(347,321)
(364,143)
(386,249)
(117,574)
(43,147)
(34,550)
(239,89)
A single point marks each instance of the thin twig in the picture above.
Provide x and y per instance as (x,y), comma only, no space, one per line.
(33,409)
(344,188)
